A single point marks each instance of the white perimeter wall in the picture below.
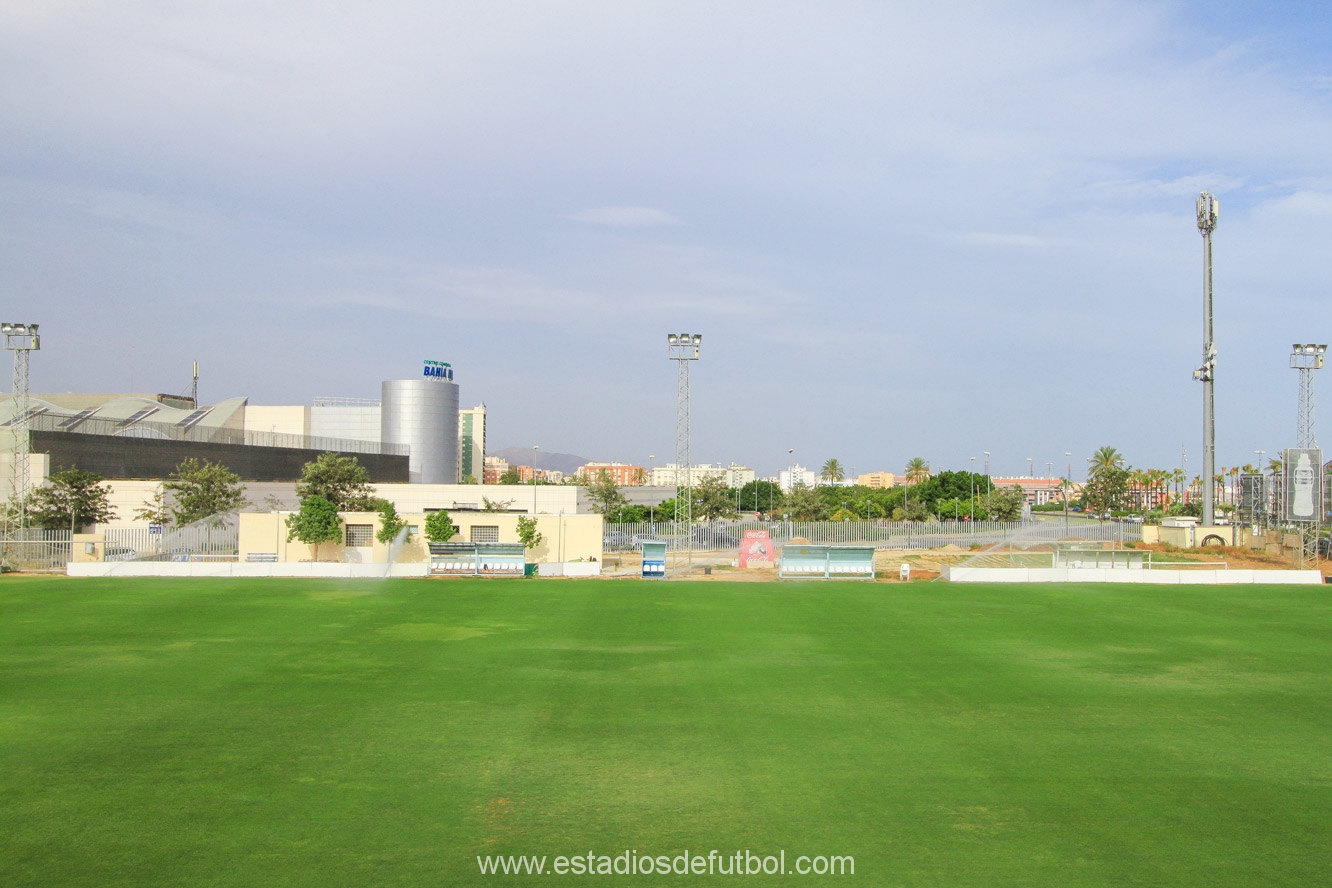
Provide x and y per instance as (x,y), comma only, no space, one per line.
(1184,577)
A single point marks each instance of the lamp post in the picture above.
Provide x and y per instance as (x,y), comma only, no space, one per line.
(988,484)
(535,448)
(1068,482)
(971,509)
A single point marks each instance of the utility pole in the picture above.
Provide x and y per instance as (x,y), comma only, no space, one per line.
(1208,209)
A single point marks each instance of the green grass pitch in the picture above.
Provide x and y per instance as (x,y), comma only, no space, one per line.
(315,733)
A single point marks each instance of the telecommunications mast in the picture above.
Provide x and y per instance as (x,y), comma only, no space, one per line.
(1208,208)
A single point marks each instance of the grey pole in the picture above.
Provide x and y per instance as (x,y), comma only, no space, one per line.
(1208,208)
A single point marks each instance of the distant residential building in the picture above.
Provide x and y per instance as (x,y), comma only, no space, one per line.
(797,475)
(670,476)
(623,474)
(472,443)
(1036,491)
(528,474)
(495,467)
(877,480)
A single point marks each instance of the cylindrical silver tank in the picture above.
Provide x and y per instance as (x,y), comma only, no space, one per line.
(423,413)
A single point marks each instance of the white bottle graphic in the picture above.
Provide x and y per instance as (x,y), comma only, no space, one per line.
(1302,503)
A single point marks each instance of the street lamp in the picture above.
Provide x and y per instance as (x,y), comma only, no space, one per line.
(988,483)
(535,448)
(971,509)
(1068,482)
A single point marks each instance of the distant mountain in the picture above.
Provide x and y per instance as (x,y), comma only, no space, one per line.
(540,459)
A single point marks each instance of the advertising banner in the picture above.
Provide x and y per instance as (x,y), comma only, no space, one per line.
(1302,492)
(756,550)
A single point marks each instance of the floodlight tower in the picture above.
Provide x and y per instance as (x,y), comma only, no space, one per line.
(683,348)
(1306,359)
(21,339)
(1208,209)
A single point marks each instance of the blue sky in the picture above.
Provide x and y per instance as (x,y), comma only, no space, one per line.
(903,229)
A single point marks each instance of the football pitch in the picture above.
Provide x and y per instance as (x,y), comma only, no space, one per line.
(322,733)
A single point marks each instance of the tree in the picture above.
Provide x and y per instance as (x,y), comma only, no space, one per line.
(527,532)
(1005,504)
(832,471)
(155,510)
(914,511)
(761,496)
(804,504)
(341,480)
(203,489)
(72,498)
(439,527)
(605,496)
(713,499)
(917,470)
(1105,458)
(510,476)
(390,524)
(468,479)
(317,522)
(1106,490)
(489,505)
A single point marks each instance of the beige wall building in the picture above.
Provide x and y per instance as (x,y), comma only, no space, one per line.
(564,537)
(877,480)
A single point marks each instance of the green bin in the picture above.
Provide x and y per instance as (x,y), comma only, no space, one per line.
(529,570)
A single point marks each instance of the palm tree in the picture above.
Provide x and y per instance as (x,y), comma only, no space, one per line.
(917,470)
(1105,458)
(832,471)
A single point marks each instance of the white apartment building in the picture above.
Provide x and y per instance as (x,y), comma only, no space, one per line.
(670,476)
(797,475)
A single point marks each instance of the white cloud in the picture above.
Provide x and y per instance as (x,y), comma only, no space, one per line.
(625,217)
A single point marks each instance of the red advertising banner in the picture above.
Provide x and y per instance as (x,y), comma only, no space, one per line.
(756,550)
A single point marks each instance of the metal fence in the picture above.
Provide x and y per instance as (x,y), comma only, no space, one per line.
(721,536)
(35,549)
(192,542)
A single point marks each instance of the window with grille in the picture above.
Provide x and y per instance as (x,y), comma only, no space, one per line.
(360,535)
(485,533)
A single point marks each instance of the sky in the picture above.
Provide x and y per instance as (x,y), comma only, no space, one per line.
(903,229)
